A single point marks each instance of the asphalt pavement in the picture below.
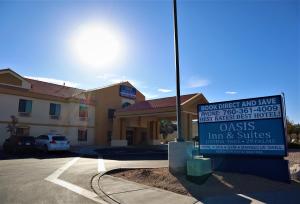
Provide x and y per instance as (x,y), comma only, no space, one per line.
(66,178)
(22,179)
(38,177)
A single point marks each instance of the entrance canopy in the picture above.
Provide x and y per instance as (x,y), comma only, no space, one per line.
(140,123)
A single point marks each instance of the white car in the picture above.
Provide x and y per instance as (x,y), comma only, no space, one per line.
(52,142)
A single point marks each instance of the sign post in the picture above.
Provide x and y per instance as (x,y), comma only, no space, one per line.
(178,101)
(178,151)
(245,136)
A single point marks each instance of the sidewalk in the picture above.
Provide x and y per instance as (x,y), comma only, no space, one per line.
(127,192)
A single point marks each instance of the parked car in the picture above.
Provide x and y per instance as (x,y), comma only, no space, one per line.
(52,142)
(19,143)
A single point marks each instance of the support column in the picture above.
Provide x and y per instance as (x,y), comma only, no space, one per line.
(158,130)
(123,129)
(117,139)
(155,133)
(153,130)
(149,132)
(185,127)
(116,129)
(190,127)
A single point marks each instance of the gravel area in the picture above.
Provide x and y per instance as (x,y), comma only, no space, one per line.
(159,178)
(217,184)
(294,156)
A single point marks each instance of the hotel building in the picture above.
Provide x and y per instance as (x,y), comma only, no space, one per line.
(116,115)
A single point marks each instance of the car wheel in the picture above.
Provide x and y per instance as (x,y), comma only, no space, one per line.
(45,149)
(14,150)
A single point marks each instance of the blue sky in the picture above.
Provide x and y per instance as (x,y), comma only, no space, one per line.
(228,49)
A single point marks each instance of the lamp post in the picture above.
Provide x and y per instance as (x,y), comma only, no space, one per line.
(178,101)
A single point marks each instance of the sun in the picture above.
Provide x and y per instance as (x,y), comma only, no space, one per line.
(97,45)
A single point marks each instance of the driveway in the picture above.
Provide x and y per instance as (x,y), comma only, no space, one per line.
(61,177)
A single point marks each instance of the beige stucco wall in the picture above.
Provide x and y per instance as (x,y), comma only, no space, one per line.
(3,134)
(40,122)
(40,112)
(11,79)
(109,98)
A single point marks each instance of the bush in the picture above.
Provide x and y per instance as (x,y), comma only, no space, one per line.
(294,145)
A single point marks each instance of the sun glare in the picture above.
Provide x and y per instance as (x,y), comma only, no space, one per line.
(97,45)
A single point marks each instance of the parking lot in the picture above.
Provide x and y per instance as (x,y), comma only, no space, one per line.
(63,177)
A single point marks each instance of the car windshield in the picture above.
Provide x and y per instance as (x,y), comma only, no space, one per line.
(59,138)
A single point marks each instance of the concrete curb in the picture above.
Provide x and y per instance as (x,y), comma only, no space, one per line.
(95,183)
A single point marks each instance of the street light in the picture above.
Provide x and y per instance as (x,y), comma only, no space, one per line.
(178,101)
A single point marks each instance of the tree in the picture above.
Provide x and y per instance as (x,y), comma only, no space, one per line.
(293,131)
(167,127)
(290,126)
(12,126)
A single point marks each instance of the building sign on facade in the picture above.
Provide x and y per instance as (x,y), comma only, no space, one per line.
(127,91)
(243,127)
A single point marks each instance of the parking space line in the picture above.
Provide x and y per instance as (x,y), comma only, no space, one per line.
(76,189)
(101,166)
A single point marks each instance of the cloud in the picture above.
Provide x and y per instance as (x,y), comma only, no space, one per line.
(195,83)
(150,95)
(164,90)
(54,81)
(231,92)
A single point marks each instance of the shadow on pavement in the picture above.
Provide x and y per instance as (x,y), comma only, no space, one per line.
(36,155)
(133,153)
(223,187)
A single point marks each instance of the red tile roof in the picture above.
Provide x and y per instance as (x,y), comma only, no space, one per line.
(59,91)
(156,103)
(56,90)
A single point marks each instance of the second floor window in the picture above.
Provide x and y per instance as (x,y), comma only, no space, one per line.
(54,111)
(83,111)
(25,106)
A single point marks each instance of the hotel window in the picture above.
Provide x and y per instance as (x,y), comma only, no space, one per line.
(22,131)
(25,107)
(126,104)
(82,135)
(111,113)
(83,111)
(54,111)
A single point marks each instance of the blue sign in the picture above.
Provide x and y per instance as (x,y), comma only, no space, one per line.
(242,127)
(127,91)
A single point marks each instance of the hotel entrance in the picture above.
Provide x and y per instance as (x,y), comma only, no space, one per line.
(130,136)
(139,124)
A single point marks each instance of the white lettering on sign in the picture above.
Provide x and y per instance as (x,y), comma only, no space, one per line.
(242,147)
(246,111)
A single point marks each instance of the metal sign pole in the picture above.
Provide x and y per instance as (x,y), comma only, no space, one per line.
(178,102)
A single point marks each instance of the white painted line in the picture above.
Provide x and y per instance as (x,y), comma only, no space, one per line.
(101,166)
(252,199)
(61,170)
(76,189)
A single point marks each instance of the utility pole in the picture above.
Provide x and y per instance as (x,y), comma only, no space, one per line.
(178,101)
